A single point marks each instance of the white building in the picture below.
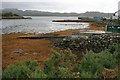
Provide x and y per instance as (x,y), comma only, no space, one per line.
(119,9)
(117,13)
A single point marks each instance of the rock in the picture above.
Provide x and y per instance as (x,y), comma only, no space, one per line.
(96,43)
(26,53)
(35,53)
(20,51)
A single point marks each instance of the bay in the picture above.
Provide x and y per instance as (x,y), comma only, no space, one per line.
(40,24)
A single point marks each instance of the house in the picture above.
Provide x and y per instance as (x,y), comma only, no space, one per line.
(116,15)
(119,9)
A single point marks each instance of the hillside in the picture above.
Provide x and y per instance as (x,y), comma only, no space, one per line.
(95,13)
(43,13)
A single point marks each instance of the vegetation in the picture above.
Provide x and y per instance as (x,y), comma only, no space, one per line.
(24,69)
(65,64)
(92,64)
(60,65)
(117,52)
(9,14)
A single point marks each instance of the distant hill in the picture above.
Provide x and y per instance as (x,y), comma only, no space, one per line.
(92,14)
(37,13)
(43,13)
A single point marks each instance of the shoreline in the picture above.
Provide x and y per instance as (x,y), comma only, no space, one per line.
(92,26)
(14,49)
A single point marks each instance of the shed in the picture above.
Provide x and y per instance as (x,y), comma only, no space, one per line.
(114,29)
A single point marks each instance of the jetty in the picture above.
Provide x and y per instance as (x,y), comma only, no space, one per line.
(88,20)
(41,36)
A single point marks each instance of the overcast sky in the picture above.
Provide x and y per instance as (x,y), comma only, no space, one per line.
(79,6)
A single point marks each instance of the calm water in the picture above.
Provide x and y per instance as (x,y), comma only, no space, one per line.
(39,25)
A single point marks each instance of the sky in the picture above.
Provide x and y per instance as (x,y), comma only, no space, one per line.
(78,6)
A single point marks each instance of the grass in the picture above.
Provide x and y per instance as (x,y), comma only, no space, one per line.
(64,64)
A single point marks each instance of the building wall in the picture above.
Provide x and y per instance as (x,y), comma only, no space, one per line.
(119,8)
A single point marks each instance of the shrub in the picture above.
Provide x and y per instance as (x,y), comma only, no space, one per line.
(63,64)
(113,47)
(117,56)
(92,63)
(23,69)
(38,74)
(60,65)
(88,74)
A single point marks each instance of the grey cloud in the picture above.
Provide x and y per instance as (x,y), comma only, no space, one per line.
(34,5)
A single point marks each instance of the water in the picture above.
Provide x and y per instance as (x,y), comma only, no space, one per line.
(39,25)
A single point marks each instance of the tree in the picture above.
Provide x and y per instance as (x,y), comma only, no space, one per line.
(7,14)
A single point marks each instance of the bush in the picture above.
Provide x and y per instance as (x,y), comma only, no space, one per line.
(60,65)
(38,74)
(117,56)
(92,63)
(64,64)
(112,48)
(88,74)
(23,69)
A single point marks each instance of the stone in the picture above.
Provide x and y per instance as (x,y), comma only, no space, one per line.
(97,43)
(19,51)
(35,53)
